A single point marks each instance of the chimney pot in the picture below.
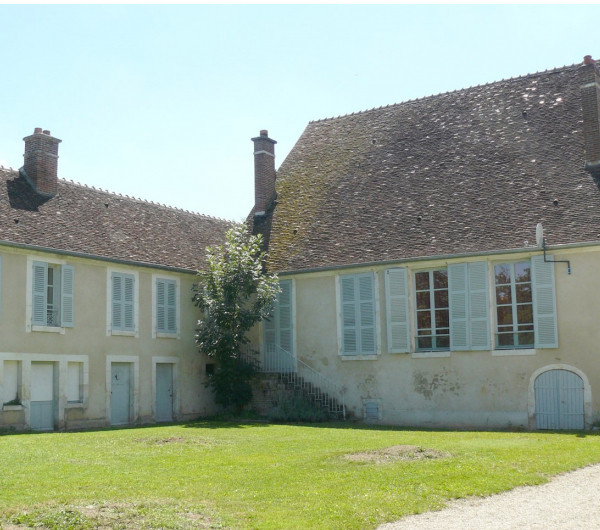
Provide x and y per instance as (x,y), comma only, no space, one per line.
(588,60)
(46,132)
(264,132)
(37,130)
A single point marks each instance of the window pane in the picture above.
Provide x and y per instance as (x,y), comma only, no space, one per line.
(525,314)
(422,281)
(505,339)
(423,301)
(441,299)
(526,339)
(424,320)
(502,273)
(523,293)
(442,342)
(424,343)
(442,319)
(523,272)
(440,279)
(504,315)
(503,295)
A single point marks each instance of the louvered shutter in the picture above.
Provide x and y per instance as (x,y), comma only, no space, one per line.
(284,308)
(479,307)
(117,301)
(0,286)
(39,302)
(349,317)
(544,303)
(397,310)
(128,302)
(457,287)
(171,306)
(367,314)
(67,314)
(161,306)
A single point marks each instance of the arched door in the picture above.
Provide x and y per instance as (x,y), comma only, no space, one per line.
(559,400)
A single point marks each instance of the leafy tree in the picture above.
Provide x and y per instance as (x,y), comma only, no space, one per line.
(233,293)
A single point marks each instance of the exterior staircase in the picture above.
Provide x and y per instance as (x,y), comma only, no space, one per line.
(284,378)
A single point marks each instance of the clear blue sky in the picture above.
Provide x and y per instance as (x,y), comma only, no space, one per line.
(160,102)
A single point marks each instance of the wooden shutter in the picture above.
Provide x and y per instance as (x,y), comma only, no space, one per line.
(479,306)
(544,303)
(171,306)
(67,283)
(128,302)
(39,302)
(457,291)
(284,320)
(366,292)
(161,306)
(396,288)
(349,316)
(117,301)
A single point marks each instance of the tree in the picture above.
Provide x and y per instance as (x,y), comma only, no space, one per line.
(233,293)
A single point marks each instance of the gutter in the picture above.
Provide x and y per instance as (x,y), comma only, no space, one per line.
(95,257)
(532,249)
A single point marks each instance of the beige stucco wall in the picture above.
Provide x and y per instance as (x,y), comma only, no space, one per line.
(466,389)
(89,342)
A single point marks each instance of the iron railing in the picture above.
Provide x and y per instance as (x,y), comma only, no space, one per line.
(272,359)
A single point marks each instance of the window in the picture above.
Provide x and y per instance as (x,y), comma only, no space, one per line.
(74,382)
(123,302)
(52,303)
(514,305)
(12,383)
(357,297)
(165,305)
(433,315)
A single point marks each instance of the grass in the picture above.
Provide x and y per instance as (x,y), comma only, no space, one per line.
(233,475)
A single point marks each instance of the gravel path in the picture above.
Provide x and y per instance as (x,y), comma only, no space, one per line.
(569,501)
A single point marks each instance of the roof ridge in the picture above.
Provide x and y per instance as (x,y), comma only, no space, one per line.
(449,92)
(138,199)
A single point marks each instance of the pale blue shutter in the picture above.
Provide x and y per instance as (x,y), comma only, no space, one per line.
(397,310)
(544,303)
(39,302)
(0,286)
(117,302)
(284,308)
(349,317)
(457,290)
(128,302)
(67,314)
(172,306)
(161,306)
(479,306)
(366,292)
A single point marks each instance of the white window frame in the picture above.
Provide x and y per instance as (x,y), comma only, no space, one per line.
(29,327)
(340,318)
(155,332)
(136,303)
(432,309)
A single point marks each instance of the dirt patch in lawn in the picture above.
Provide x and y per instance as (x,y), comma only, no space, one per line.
(175,440)
(394,453)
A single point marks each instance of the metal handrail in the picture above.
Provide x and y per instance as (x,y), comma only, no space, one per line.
(275,360)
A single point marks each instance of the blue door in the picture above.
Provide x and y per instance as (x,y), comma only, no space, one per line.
(120,395)
(559,400)
(42,397)
(164,392)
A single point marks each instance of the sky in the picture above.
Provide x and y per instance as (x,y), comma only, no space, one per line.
(160,102)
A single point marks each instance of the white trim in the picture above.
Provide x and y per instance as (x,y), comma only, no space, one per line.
(166,360)
(29,294)
(431,354)
(136,303)
(518,352)
(60,365)
(155,333)
(135,389)
(587,393)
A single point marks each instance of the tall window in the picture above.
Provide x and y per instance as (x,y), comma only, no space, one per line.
(123,301)
(52,303)
(433,316)
(357,293)
(514,305)
(166,306)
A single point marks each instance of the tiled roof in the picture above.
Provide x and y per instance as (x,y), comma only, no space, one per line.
(463,172)
(98,223)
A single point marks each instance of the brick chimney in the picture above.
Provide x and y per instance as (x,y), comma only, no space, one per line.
(590,103)
(264,172)
(40,167)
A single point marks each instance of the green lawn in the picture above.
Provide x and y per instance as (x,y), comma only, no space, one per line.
(230,475)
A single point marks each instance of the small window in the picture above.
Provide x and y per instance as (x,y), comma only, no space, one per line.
(433,316)
(75,382)
(12,383)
